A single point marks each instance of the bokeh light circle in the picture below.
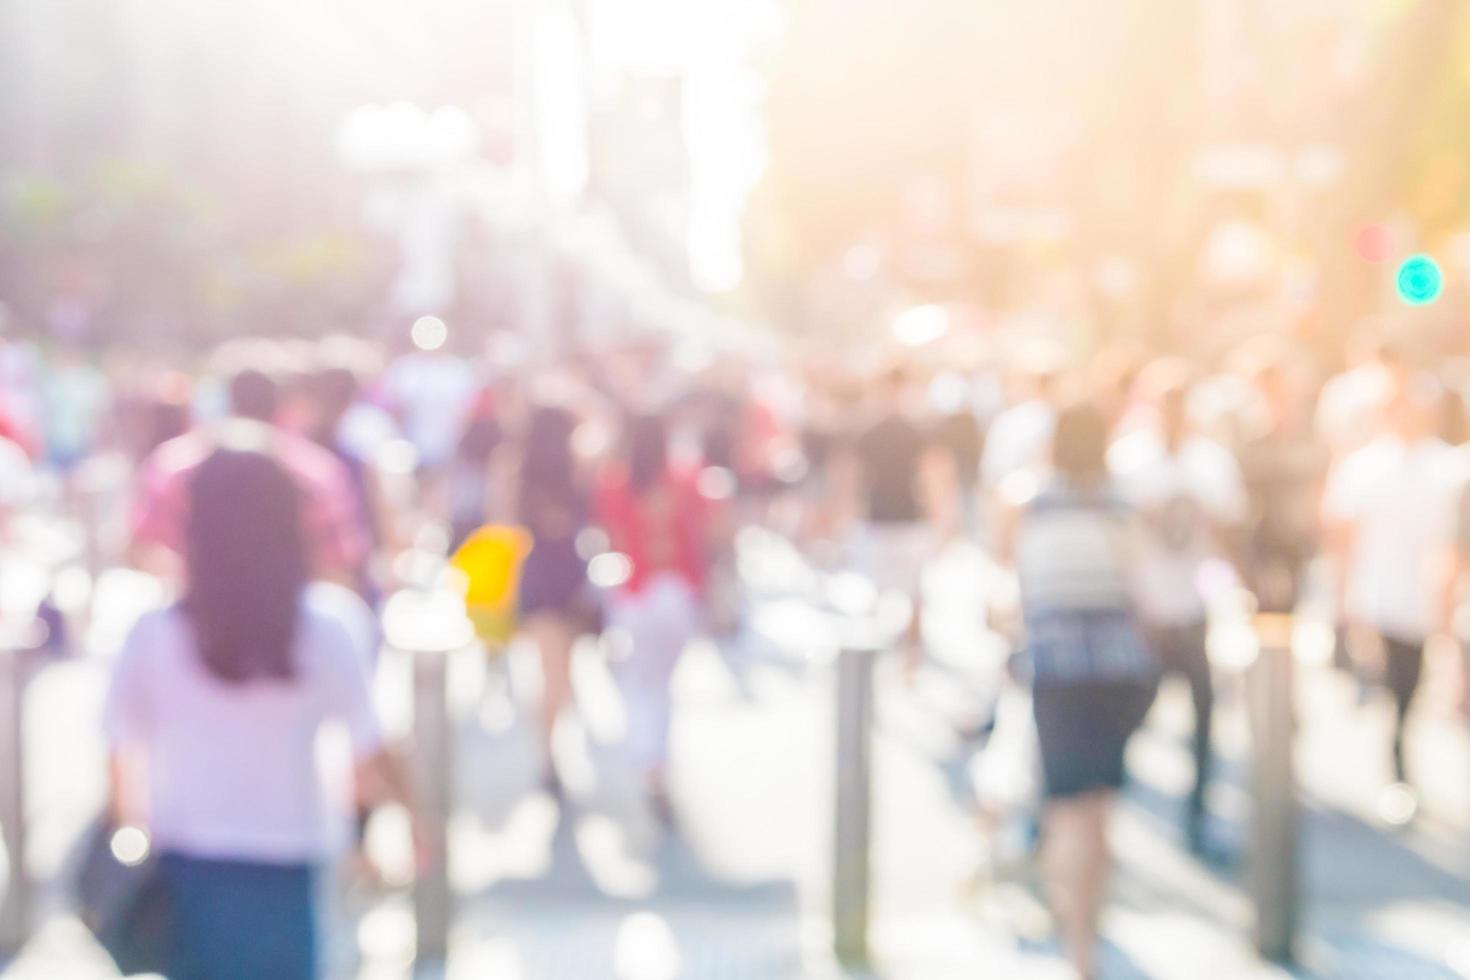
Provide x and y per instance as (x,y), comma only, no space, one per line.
(130,846)
(1373,243)
(609,570)
(429,333)
(921,325)
(1420,280)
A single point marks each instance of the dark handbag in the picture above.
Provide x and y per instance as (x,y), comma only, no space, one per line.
(122,898)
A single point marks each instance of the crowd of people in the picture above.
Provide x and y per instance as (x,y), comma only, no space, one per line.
(1129,497)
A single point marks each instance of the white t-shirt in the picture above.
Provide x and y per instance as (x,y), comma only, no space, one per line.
(1019,439)
(1402,501)
(234,768)
(1349,407)
(1179,497)
(365,430)
(434,392)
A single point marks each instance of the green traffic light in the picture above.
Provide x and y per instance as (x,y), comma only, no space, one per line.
(1420,280)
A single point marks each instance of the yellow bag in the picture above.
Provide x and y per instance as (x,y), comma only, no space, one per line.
(490,561)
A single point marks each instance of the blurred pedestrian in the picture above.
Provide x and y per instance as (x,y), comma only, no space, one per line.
(220,700)
(432,389)
(1350,405)
(833,498)
(21,400)
(1284,465)
(554,601)
(17,484)
(334,391)
(76,396)
(1187,490)
(895,541)
(1074,547)
(337,536)
(159,412)
(1019,438)
(471,489)
(655,516)
(959,435)
(1350,413)
(1391,507)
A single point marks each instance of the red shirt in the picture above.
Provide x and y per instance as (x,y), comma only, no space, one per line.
(663,530)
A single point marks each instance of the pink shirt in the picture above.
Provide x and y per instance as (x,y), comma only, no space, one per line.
(335,529)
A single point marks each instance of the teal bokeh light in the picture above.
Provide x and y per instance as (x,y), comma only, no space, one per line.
(1420,280)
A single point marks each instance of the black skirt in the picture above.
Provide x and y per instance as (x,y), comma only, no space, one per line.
(1083,728)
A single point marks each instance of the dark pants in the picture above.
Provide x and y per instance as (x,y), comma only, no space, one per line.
(237,920)
(1181,650)
(1403,666)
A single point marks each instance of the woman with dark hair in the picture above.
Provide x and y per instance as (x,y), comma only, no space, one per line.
(657,518)
(221,698)
(551,502)
(1093,678)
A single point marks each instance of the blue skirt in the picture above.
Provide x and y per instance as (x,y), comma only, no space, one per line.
(238,920)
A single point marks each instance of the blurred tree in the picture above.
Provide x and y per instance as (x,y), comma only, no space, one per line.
(156,259)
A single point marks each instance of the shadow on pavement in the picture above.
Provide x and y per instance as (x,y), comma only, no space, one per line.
(566,923)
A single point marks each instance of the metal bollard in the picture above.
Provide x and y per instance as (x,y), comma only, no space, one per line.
(1274,876)
(853,832)
(16,904)
(431,627)
(433,755)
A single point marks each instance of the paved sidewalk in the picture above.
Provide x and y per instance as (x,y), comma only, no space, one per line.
(1378,902)
(594,888)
